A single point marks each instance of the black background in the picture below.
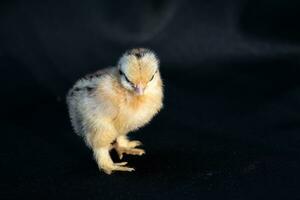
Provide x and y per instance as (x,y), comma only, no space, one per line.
(230,128)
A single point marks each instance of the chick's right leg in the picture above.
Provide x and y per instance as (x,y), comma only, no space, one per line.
(101,144)
(123,145)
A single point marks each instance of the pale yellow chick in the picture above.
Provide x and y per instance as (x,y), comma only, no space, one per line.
(105,106)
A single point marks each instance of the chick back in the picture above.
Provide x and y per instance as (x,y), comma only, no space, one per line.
(78,96)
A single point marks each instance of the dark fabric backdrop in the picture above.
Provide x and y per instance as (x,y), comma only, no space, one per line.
(230,128)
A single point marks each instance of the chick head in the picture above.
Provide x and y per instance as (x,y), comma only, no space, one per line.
(138,69)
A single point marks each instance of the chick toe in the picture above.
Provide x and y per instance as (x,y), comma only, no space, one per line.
(134,143)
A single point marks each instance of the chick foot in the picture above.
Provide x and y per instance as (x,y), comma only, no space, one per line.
(108,169)
(133,144)
(106,164)
(133,151)
(129,148)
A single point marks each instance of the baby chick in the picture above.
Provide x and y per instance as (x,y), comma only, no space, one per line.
(108,104)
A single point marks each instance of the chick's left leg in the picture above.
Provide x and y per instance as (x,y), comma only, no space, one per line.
(101,144)
(123,145)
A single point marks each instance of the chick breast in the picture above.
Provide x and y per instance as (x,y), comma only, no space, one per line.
(99,97)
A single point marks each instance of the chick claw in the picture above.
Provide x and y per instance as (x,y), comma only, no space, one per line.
(117,167)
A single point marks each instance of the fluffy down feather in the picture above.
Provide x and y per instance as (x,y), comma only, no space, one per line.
(108,104)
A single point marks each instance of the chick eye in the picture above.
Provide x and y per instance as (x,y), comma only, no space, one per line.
(122,74)
(152,76)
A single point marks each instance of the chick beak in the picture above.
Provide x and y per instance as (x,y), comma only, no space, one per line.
(139,90)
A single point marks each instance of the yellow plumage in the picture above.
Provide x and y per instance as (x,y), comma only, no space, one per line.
(119,100)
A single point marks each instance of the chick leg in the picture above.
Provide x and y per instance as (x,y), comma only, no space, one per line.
(101,144)
(123,145)
(106,164)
